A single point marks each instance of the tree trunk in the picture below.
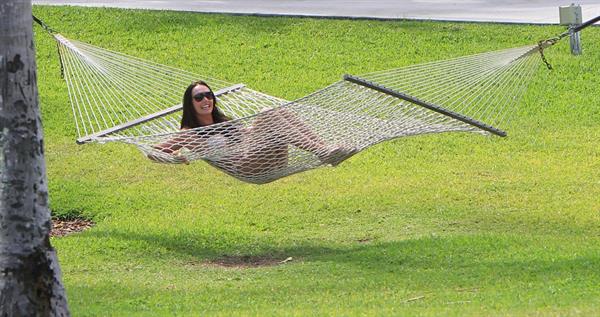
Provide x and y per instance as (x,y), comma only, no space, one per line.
(30,282)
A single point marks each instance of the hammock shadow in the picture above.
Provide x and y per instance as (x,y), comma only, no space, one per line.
(537,281)
(470,259)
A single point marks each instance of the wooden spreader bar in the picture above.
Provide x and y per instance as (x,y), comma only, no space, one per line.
(425,104)
(152,116)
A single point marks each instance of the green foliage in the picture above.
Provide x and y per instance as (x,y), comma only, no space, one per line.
(452,224)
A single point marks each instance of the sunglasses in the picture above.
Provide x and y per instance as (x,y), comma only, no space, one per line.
(202,95)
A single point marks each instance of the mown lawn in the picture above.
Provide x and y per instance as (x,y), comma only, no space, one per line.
(451,224)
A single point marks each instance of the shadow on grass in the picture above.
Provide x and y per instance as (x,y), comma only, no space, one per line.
(464,258)
(496,272)
(502,272)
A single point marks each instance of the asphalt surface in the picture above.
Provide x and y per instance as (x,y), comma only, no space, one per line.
(509,11)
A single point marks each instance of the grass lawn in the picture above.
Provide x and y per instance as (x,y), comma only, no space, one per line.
(451,224)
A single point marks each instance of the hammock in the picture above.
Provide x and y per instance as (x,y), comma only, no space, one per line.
(119,98)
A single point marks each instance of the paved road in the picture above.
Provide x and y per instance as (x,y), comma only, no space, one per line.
(520,11)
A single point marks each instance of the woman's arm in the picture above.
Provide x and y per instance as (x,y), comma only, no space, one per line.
(172,148)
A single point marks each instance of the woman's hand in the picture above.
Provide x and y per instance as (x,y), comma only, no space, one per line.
(175,157)
(180,158)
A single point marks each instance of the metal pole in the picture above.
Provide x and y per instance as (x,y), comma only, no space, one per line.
(575,41)
(571,16)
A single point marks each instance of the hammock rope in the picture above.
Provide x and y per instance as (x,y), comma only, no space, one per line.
(119,98)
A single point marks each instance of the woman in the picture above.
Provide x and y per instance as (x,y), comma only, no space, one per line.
(260,148)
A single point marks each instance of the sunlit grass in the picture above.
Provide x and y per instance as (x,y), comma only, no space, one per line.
(451,224)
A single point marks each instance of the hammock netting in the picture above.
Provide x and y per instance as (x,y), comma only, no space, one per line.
(119,98)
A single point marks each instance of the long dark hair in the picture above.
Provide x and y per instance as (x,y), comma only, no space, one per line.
(188,119)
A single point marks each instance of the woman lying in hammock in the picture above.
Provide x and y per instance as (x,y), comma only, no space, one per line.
(258,148)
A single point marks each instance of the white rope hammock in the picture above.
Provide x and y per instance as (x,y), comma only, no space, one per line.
(116,97)
(119,98)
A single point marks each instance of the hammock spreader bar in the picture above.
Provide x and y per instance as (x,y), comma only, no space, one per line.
(430,106)
(150,117)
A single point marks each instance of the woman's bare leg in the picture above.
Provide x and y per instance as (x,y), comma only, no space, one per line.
(289,128)
(273,131)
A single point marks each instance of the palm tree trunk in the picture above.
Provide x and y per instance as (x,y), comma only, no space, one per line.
(30,281)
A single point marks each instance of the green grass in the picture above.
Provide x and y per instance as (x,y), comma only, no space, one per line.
(463,225)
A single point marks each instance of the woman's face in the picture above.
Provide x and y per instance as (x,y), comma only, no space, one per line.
(203,100)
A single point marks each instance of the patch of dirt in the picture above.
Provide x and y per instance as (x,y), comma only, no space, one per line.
(64,227)
(365,240)
(247,261)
